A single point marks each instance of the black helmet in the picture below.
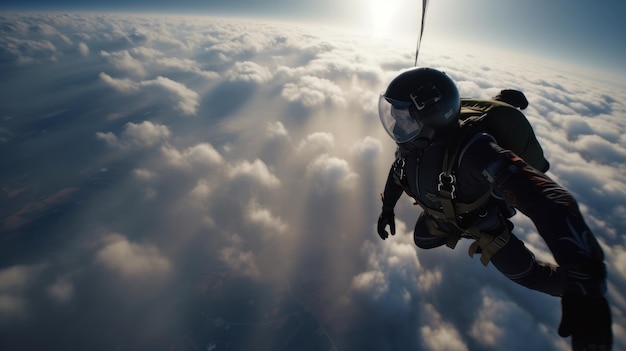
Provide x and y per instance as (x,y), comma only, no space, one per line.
(417,99)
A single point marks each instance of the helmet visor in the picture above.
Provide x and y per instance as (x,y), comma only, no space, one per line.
(397,120)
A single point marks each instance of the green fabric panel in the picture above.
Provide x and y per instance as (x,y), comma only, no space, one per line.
(508,125)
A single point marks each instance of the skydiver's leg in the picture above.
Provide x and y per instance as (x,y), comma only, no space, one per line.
(429,233)
(517,263)
(512,258)
(556,215)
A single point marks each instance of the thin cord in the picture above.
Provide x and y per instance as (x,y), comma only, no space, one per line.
(419,37)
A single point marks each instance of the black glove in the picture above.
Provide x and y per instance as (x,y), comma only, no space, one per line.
(588,321)
(386,218)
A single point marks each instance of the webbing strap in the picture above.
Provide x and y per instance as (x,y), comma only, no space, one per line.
(489,245)
(462,207)
(434,229)
(447,181)
(459,207)
(447,195)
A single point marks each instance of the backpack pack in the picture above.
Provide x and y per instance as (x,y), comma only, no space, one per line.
(507,124)
(512,131)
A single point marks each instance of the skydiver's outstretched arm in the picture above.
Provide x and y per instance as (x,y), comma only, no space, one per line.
(392,192)
(390,197)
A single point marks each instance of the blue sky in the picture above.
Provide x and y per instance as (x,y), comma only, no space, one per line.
(586,33)
(186,182)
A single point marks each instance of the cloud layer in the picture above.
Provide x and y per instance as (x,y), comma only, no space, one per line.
(193,183)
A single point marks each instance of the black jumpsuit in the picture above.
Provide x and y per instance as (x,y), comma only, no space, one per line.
(484,166)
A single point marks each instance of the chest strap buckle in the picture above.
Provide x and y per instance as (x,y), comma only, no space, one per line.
(447,185)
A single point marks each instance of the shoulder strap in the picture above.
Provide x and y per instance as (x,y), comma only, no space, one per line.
(447,179)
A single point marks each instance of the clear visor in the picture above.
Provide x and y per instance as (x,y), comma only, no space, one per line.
(397,120)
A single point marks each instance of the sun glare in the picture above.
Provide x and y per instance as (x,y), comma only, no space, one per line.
(382,13)
(392,18)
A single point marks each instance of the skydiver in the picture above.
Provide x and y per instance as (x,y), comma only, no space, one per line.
(477,195)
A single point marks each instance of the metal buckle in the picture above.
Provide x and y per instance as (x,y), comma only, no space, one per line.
(447,182)
(424,96)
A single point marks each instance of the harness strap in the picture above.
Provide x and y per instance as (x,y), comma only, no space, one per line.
(489,245)
(434,229)
(446,197)
(447,180)
(462,207)
(458,207)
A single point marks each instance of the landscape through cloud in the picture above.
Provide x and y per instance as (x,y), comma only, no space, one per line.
(184,183)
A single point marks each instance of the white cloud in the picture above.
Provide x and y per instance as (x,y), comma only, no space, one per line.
(123,61)
(318,142)
(199,195)
(140,62)
(186,100)
(146,53)
(328,172)
(124,85)
(617,255)
(486,329)
(14,282)
(371,283)
(311,91)
(83,49)
(390,277)
(277,130)
(499,320)
(598,149)
(16,278)
(438,335)
(132,260)
(255,171)
(61,290)
(26,51)
(261,216)
(144,174)
(43,28)
(242,262)
(368,148)
(249,72)
(197,157)
(143,135)
(429,279)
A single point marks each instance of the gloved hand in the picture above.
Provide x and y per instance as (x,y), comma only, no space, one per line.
(588,321)
(386,218)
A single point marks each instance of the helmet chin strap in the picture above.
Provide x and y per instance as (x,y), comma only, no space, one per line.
(420,142)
